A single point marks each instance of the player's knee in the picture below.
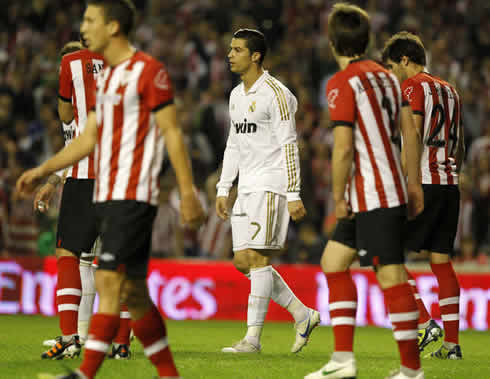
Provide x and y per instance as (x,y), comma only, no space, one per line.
(109,283)
(391,275)
(240,261)
(259,259)
(64,253)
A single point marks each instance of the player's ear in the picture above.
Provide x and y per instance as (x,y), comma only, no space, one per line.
(256,57)
(405,61)
(114,27)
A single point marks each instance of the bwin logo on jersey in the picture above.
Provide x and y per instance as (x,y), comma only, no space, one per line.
(245,127)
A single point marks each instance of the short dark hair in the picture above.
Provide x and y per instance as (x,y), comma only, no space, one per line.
(122,11)
(404,44)
(256,41)
(71,47)
(349,29)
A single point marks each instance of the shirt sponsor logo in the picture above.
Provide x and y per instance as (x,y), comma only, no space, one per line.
(245,127)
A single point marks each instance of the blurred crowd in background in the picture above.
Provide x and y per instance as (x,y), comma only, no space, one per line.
(192,38)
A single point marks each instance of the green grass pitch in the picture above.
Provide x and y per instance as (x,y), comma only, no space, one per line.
(196,346)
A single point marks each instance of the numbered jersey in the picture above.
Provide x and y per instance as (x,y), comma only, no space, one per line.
(367,97)
(129,150)
(78,73)
(438,103)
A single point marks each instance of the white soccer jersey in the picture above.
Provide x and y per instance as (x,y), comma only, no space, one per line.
(262,145)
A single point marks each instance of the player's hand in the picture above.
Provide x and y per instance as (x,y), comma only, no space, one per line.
(342,210)
(43,197)
(29,180)
(415,200)
(191,210)
(296,210)
(222,207)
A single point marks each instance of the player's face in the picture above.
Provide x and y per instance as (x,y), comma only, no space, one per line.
(397,69)
(239,56)
(94,29)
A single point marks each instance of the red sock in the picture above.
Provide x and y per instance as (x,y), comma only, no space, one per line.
(150,330)
(404,316)
(68,294)
(103,329)
(448,299)
(343,307)
(424,315)
(124,330)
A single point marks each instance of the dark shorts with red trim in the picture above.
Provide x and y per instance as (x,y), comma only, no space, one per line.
(435,228)
(378,235)
(125,236)
(77,226)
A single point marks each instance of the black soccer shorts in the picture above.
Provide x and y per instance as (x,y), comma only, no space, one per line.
(125,233)
(77,228)
(435,228)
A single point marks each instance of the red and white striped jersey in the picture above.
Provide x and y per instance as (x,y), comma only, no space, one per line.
(368,98)
(438,102)
(130,147)
(77,78)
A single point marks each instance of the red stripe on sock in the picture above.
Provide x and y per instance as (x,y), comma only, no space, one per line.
(103,328)
(448,287)
(149,329)
(68,277)
(400,299)
(342,288)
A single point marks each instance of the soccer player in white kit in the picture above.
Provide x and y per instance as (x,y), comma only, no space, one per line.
(262,149)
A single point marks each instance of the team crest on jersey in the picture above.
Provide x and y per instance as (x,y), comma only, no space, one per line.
(252,107)
(332,97)
(161,80)
(408,93)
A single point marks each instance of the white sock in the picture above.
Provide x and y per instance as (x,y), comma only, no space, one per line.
(261,282)
(283,296)
(88,295)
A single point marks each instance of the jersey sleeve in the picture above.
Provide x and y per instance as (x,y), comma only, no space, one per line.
(413,95)
(283,109)
(341,102)
(65,81)
(157,90)
(230,164)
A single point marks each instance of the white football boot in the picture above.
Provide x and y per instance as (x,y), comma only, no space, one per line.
(242,346)
(304,329)
(335,370)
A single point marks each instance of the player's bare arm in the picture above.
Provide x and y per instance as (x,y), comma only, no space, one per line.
(65,111)
(412,147)
(342,160)
(70,154)
(191,208)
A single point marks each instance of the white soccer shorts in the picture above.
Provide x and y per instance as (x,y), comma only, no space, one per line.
(259,220)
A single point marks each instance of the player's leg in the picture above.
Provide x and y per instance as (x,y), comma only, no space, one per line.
(76,234)
(120,345)
(87,274)
(149,327)
(105,323)
(387,254)
(449,297)
(281,293)
(336,260)
(429,330)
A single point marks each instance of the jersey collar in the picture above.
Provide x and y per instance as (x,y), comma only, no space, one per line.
(257,83)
